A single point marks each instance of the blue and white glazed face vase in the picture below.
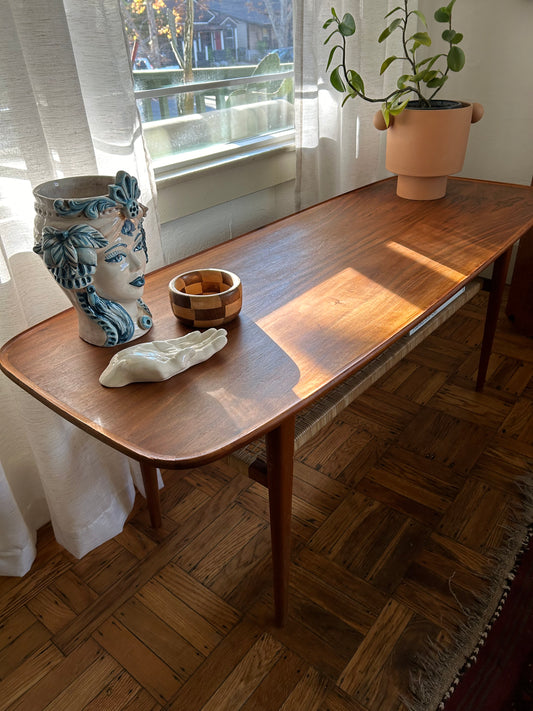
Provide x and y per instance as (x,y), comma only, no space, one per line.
(89,233)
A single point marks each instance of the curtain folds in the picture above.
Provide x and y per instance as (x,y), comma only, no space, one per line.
(66,108)
(338,149)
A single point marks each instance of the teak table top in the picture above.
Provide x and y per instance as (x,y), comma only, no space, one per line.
(324,291)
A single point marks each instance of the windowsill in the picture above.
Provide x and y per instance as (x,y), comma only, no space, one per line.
(188,187)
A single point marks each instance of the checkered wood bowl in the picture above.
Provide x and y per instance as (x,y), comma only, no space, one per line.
(205,298)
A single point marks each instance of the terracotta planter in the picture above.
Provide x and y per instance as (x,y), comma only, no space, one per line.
(425,146)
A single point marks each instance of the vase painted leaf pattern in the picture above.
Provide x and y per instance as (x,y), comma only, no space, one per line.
(125,192)
(91,208)
(70,254)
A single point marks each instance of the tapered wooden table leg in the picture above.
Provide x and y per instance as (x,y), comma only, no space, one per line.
(280,453)
(151,489)
(499,274)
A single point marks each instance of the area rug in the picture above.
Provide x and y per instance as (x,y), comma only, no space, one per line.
(498,676)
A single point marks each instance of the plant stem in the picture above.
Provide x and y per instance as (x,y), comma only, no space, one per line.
(444,74)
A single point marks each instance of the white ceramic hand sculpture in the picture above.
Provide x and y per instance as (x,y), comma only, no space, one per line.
(160,360)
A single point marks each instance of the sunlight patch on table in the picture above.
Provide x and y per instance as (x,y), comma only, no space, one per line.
(344,317)
(425,261)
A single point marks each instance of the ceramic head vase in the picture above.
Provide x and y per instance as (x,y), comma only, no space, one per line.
(89,233)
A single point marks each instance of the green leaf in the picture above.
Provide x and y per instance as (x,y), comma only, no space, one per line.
(327,23)
(330,36)
(420,15)
(385,110)
(390,29)
(421,38)
(456,59)
(417,77)
(429,75)
(437,82)
(347,26)
(452,36)
(430,61)
(443,14)
(402,81)
(336,80)
(356,81)
(337,46)
(398,108)
(387,63)
(334,13)
(393,11)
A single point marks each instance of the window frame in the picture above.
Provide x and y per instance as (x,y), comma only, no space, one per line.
(221,173)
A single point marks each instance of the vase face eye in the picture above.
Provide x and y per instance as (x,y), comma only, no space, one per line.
(121,265)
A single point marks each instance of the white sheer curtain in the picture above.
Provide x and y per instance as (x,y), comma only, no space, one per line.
(66,108)
(338,149)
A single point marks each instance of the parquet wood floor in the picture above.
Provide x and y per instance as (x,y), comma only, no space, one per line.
(398,507)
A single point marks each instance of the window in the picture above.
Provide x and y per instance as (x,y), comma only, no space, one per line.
(213,78)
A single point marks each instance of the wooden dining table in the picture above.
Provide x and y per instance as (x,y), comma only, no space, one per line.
(325,291)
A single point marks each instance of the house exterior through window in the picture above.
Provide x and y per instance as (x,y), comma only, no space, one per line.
(213,78)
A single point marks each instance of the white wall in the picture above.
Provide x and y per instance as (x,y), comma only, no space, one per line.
(498,37)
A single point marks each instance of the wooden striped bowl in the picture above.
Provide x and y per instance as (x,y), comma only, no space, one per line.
(205,298)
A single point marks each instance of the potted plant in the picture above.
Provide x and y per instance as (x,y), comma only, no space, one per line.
(427,137)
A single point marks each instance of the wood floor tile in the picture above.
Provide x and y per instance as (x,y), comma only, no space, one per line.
(51,610)
(439,353)
(360,676)
(278,684)
(246,676)
(120,691)
(487,409)
(212,535)
(441,437)
(20,591)
(138,660)
(332,449)
(319,489)
(234,540)
(201,685)
(399,470)
(333,600)
(73,591)
(477,518)
(82,690)
(65,671)
(338,700)
(135,542)
(21,680)
(15,625)
(308,693)
(519,422)
(199,598)
(160,638)
(248,558)
(187,623)
(23,647)
(142,701)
